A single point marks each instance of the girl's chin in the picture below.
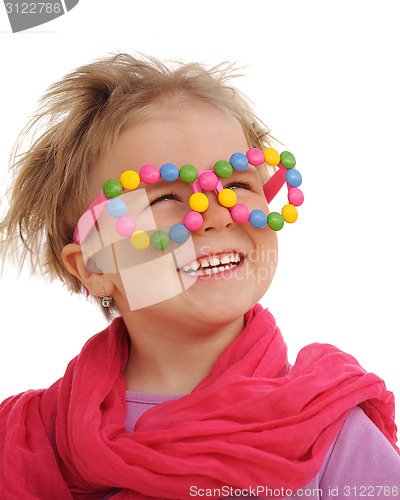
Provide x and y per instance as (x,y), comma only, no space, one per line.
(220,308)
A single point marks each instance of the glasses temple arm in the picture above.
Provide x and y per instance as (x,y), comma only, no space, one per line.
(274,184)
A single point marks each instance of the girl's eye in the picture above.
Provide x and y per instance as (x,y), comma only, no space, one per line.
(166,197)
(238,185)
(233,185)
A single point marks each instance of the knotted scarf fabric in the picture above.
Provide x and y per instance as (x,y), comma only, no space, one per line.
(251,421)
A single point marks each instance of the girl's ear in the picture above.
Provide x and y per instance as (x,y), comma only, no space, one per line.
(73,260)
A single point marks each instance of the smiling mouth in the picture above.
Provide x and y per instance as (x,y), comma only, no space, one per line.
(205,266)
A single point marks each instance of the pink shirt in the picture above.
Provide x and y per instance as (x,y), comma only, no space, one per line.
(360,463)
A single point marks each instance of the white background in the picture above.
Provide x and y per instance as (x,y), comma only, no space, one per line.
(325,77)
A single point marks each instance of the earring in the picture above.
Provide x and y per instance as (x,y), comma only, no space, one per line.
(106,300)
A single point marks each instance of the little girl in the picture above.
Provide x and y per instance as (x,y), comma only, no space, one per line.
(188,392)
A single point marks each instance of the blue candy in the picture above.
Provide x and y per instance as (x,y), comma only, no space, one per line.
(293,178)
(239,161)
(169,172)
(178,233)
(116,208)
(258,219)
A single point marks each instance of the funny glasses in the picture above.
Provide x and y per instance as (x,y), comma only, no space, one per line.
(206,181)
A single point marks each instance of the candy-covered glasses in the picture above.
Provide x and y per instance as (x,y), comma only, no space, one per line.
(200,182)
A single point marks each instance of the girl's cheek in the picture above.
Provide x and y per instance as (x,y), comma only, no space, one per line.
(168,213)
(253,201)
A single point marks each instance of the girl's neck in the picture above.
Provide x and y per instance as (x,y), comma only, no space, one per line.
(162,362)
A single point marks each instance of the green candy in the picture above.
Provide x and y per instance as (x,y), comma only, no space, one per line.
(188,173)
(287,159)
(223,169)
(159,240)
(275,221)
(112,188)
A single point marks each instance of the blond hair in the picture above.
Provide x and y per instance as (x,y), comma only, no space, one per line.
(79,118)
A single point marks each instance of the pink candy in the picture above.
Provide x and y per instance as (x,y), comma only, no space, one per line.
(240,213)
(193,221)
(208,181)
(149,174)
(125,226)
(295,196)
(255,157)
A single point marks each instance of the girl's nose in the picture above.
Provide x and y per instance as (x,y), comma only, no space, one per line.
(216,216)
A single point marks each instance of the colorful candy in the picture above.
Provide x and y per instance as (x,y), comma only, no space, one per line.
(125,226)
(208,180)
(130,179)
(275,221)
(240,213)
(178,233)
(140,240)
(198,202)
(258,219)
(169,172)
(293,178)
(255,157)
(289,213)
(271,156)
(227,198)
(223,169)
(193,221)
(287,160)
(112,188)
(149,174)
(116,208)
(188,173)
(239,161)
(159,240)
(295,197)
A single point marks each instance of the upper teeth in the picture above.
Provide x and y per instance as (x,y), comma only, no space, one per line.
(207,262)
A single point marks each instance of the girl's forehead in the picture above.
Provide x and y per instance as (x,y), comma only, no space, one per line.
(193,134)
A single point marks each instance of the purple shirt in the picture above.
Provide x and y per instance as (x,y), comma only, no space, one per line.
(360,463)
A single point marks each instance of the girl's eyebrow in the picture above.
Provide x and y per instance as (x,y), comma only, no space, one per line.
(249,171)
(160,184)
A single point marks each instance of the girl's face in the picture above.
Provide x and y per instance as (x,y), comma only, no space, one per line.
(198,134)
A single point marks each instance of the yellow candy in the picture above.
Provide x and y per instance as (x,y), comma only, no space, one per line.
(289,213)
(227,198)
(130,179)
(272,156)
(198,202)
(140,240)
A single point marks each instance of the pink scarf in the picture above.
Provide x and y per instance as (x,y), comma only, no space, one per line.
(252,421)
